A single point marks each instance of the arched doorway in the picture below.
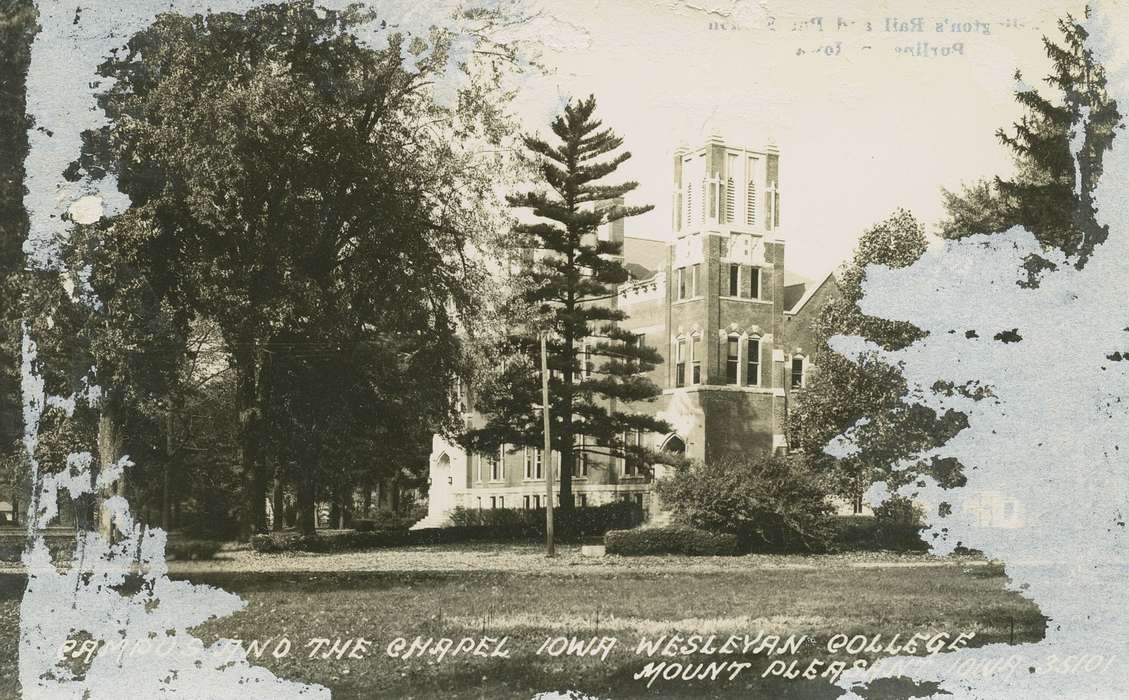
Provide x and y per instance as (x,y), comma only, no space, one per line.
(674,445)
(439,495)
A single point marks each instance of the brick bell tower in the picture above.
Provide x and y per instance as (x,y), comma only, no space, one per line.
(726,294)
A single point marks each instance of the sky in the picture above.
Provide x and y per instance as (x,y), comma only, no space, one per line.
(862,127)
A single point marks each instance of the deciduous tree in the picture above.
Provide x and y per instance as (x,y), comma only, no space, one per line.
(864,394)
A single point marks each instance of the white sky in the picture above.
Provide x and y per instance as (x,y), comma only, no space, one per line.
(859,134)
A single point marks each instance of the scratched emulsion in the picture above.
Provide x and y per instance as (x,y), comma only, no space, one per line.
(97,595)
(1046,455)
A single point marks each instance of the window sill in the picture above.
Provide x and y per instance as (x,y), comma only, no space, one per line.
(756,300)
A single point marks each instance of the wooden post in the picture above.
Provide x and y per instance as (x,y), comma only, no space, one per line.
(547,456)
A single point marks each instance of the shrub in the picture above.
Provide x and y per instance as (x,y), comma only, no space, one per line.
(898,524)
(770,503)
(587,521)
(867,533)
(334,542)
(675,539)
(501,524)
(191,549)
(385,519)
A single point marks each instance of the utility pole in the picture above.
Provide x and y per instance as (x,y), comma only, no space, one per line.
(547,455)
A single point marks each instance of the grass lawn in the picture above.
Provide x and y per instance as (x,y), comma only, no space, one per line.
(438,592)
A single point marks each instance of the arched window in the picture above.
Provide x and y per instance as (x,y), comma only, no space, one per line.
(753,362)
(732,359)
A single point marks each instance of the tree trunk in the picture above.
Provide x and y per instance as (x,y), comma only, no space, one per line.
(342,507)
(279,502)
(110,444)
(307,517)
(368,496)
(394,493)
(254,516)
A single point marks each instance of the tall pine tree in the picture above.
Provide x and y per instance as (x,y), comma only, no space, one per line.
(1051,194)
(597,369)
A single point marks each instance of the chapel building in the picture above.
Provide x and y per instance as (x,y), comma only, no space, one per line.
(733,325)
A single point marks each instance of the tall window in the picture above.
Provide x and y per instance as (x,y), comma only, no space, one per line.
(680,364)
(637,340)
(689,202)
(694,271)
(580,458)
(681,274)
(732,358)
(460,399)
(753,362)
(478,468)
(533,463)
(797,372)
(730,188)
(497,466)
(734,280)
(754,282)
(695,359)
(750,193)
(525,502)
(632,438)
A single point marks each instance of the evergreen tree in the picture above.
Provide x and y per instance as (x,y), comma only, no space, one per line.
(597,369)
(846,391)
(1058,147)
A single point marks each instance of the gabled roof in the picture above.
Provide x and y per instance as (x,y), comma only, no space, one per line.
(638,272)
(646,253)
(799,300)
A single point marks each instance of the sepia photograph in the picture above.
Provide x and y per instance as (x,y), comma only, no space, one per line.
(573,349)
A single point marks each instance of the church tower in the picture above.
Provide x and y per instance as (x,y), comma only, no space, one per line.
(726,292)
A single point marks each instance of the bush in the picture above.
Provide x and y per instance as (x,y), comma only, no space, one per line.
(385,519)
(676,539)
(501,524)
(587,521)
(866,533)
(276,542)
(898,524)
(770,503)
(191,549)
